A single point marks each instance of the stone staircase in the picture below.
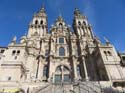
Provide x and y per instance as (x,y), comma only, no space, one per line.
(77,87)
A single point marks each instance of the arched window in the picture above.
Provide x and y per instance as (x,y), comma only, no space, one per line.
(62,74)
(79,23)
(84,22)
(36,22)
(61,51)
(109,53)
(2,51)
(18,52)
(105,53)
(13,52)
(60,25)
(45,71)
(41,22)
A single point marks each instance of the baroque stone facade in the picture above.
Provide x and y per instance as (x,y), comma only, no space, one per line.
(61,60)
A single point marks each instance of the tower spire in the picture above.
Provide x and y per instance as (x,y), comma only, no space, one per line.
(42,9)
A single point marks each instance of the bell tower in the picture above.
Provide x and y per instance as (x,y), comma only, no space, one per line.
(38,25)
(81,26)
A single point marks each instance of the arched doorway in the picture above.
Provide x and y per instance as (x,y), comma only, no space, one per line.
(62,74)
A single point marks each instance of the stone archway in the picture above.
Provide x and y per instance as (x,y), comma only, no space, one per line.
(62,74)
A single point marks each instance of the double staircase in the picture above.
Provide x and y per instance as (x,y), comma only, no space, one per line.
(77,87)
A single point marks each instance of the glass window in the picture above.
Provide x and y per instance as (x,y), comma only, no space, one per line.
(61,51)
(46,53)
(61,40)
(66,78)
(62,74)
(45,71)
(58,78)
(78,70)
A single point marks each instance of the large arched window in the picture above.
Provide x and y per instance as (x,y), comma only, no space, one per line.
(62,74)
(61,51)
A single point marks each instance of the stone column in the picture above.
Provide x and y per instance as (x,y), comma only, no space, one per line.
(42,48)
(52,47)
(75,68)
(40,71)
(85,69)
(50,73)
(74,62)
(41,31)
(83,53)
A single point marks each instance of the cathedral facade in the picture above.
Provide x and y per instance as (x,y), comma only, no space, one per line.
(61,60)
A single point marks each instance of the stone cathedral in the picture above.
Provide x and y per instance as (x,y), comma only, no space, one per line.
(61,60)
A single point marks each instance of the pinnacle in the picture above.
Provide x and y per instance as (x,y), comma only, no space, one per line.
(42,10)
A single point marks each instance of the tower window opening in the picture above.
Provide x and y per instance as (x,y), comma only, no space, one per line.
(9,78)
(61,51)
(2,51)
(109,53)
(18,52)
(41,22)
(84,22)
(13,52)
(123,60)
(105,53)
(60,25)
(79,23)
(36,22)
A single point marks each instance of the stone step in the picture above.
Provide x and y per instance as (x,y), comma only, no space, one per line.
(83,87)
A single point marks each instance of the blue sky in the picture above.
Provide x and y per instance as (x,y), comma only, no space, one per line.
(107,17)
